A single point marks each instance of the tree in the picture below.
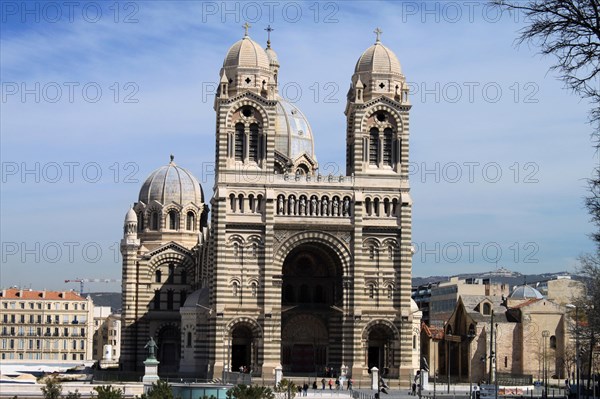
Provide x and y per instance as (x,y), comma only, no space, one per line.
(570,31)
(286,389)
(160,390)
(108,392)
(250,392)
(52,389)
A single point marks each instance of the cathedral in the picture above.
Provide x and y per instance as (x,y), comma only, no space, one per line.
(281,266)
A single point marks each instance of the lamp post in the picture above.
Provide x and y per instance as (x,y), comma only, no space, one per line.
(470,336)
(545,335)
(571,306)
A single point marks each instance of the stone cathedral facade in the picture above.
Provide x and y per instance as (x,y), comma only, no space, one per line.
(295,269)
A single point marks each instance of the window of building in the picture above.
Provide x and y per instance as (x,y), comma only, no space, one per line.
(170,300)
(171,273)
(239,142)
(189,339)
(154,221)
(388,147)
(190,221)
(183,277)
(487,309)
(156,300)
(505,361)
(374,146)
(157,276)
(253,143)
(173,220)
(553,342)
(182,298)
(414,342)
(235,288)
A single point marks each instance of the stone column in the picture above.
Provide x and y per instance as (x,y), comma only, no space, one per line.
(375,379)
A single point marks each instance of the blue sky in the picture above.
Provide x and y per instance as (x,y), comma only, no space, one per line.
(96,96)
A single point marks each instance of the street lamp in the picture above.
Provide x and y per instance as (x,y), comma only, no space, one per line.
(545,335)
(470,336)
(571,306)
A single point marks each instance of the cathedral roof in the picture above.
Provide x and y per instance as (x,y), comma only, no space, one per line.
(171,183)
(293,135)
(246,53)
(378,59)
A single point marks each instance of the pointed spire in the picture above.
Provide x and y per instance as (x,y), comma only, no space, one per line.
(224,78)
(378,33)
(359,83)
(246,26)
(269,30)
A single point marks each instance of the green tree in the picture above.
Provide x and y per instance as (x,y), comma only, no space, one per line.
(52,389)
(160,390)
(250,392)
(286,389)
(108,392)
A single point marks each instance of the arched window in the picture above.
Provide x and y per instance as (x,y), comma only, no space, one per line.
(182,297)
(190,221)
(371,291)
(253,143)
(390,291)
(386,207)
(254,289)
(388,147)
(251,203)
(173,220)
(158,276)
(553,342)
(235,288)
(414,342)
(374,146)
(156,300)
(170,300)
(241,203)
(232,202)
(239,142)
(154,221)
(189,340)
(376,206)
(368,206)
(183,277)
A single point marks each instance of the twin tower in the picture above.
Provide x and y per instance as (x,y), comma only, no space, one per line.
(296,269)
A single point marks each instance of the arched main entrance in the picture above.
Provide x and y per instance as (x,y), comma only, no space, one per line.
(241,348)
(168,349)
(312,291)
(381,341)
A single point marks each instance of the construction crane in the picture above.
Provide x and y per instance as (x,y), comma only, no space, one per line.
(81,281)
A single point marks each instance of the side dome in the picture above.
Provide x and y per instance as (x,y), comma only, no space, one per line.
(293,135)
(378,59)
(525,292)
(246,53)
(131,216)
(171,183)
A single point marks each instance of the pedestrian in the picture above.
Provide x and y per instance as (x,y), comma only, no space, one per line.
(330,384)
(305,389)
(337,384)
(350,382)
(414,389)
(315,384)
(323,383)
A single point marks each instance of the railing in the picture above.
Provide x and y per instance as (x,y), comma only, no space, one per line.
(236,378)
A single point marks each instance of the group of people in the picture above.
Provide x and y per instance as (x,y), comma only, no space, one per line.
(338,383)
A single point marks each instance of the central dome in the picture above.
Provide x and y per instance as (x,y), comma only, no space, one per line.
(293,135)
(378,59)
(526,292)
(246,53)
(171,183)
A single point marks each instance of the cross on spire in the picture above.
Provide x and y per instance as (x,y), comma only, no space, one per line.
(246,26)
(378,32)
(269,30)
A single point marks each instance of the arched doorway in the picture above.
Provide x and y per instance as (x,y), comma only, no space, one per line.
(169,339)
(381,347)
(241,348)
(311,292)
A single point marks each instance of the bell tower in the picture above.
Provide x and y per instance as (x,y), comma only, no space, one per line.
(245,106)
(377,115)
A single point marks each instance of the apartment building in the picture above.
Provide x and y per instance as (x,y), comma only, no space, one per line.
(45,326)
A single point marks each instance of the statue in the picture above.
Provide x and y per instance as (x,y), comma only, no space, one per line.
(336,207)
(346,207)
(292,205)
(151,345)
(302,206)
(280,205)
